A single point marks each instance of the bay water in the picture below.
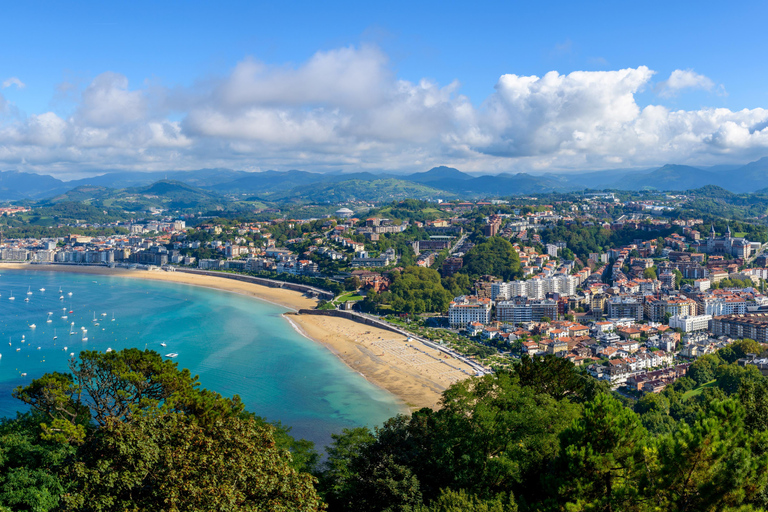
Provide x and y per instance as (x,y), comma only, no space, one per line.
(236,344)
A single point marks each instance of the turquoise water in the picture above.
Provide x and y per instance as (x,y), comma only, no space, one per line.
(236,344)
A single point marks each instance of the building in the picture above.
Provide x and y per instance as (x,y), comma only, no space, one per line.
(657,309)
(536,288)
(344,213)
(727,244)
(466,309)
(625,307)
(452,265)
(742,326)
(690,323)
(493,226)
(513,312)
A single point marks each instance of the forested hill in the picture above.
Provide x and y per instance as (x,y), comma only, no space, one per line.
(129,431)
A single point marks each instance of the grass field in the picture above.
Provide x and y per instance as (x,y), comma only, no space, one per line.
(350,296)
(697,391)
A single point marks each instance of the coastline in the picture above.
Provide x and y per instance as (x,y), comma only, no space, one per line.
(414,373)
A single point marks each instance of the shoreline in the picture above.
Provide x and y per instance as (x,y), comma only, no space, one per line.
(415,375)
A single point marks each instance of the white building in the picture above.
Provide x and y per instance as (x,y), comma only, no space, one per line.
(536,288)
(690,323)
(465,309)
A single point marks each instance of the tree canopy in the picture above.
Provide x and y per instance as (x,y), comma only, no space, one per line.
(129,431)
(496,257)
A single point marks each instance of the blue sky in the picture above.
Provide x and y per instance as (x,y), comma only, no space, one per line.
(396,86)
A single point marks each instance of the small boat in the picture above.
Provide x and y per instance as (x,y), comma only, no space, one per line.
(65,349)
(18,350)
(103,314)
(94,316)
(70,311)
(172,354)
(70,294)
(11,297)
(163,344)
(49,318)
(26,299)
(42,289)
(29,291)
(38,348)
(23,374)
(61,297)
(109,349)
(71,354)
(56,337)
(113,317)
(32,326)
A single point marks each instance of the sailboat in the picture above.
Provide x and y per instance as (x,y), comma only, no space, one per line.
(54,335)
(29,291)
(85,334)
(42,289)
(49,318)
(71,331)
(113,316)
(94,316)
(11,297)
(64,313)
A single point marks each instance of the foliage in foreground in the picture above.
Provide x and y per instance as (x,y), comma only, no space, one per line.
(545,438)
(128,431)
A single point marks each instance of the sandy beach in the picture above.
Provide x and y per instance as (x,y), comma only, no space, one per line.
(411,371)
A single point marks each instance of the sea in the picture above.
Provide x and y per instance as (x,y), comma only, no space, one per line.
(237,345)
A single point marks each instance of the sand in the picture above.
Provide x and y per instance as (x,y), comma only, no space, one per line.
(411,371)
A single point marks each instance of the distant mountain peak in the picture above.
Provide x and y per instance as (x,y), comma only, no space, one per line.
(438,173)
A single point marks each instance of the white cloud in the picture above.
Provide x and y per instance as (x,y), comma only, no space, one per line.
(346,109)
(13,81)
(681,79)
(107,101)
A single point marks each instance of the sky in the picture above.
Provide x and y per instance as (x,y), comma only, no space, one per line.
(488,87)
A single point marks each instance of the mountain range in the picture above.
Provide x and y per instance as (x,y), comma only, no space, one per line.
(439,182)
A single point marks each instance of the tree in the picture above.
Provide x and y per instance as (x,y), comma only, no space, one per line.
(603,455)
(29,466)
(709,464)
(352,283)
(649,273)
(495,257)
(336,473)
(730,377)
(739,349)
(231,464)
(703,369)
(417,290)
(103,386)
(461,501)
(141,435)
(678,277)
